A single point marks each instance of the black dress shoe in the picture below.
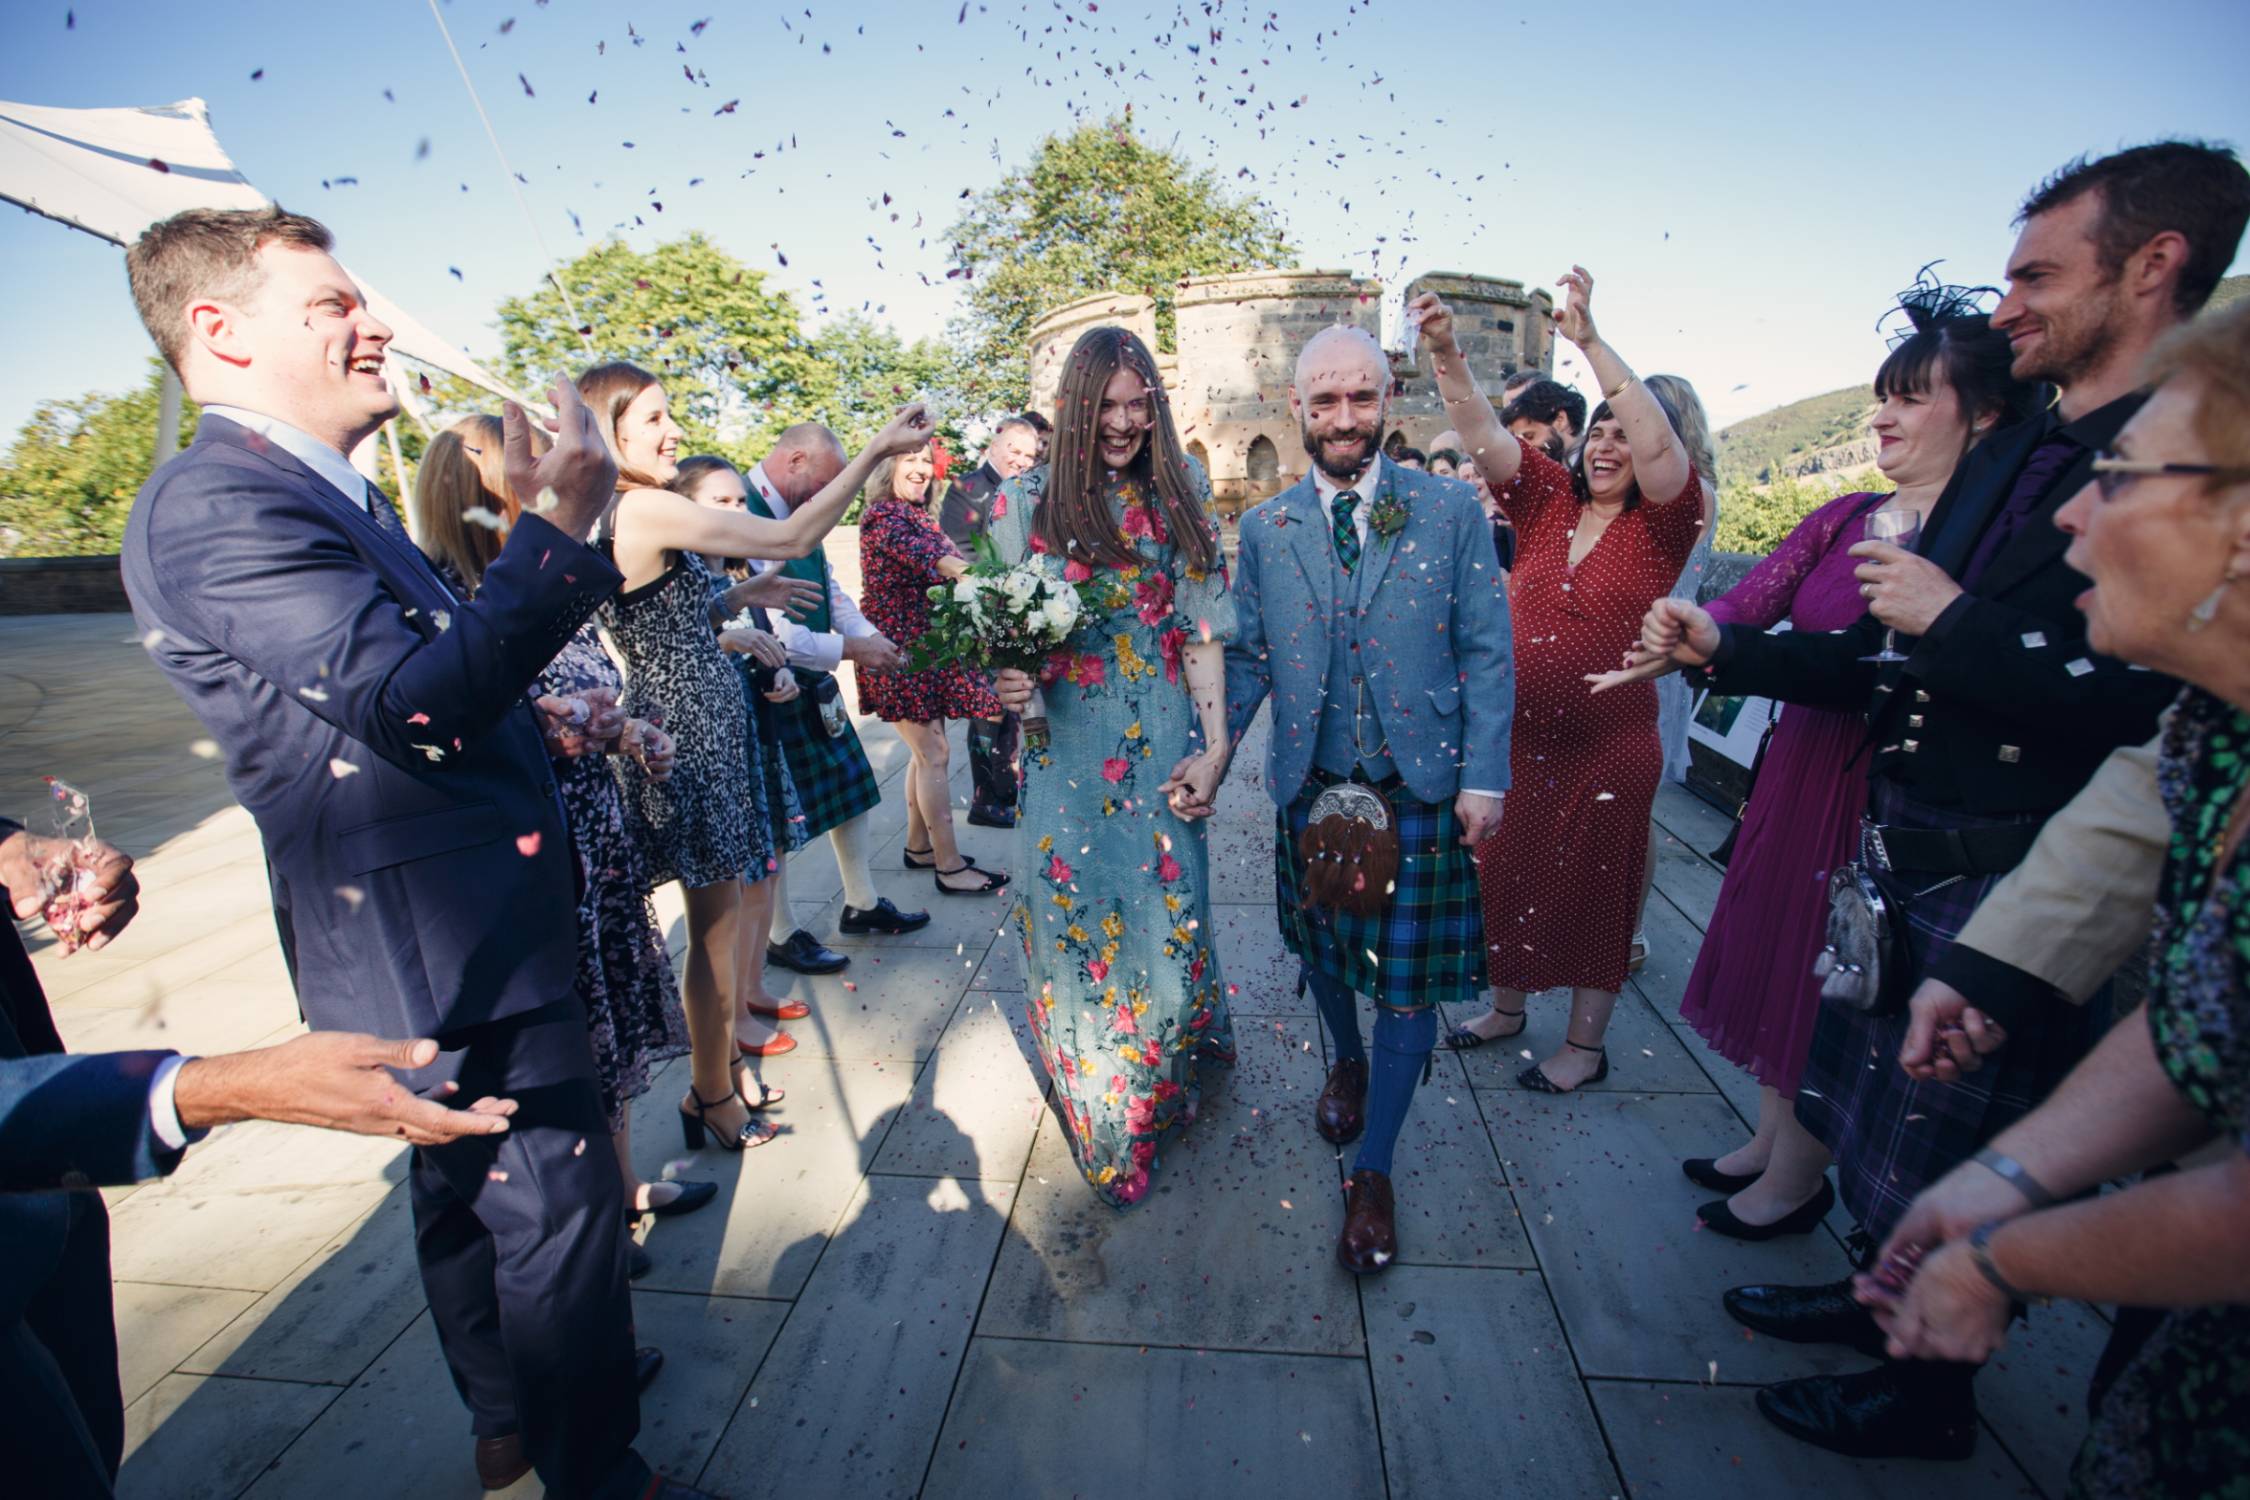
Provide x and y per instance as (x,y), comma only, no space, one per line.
(691,1196)
(1806,1315)
(646,1362)
(805,954)
(500,1461)
(1704,1171)
(882,917)
(993,817)
(1899,1409)
(1803,1219)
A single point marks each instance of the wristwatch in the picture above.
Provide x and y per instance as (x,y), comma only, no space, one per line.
(1980,1251)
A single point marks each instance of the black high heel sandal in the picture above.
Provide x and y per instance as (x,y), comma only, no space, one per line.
(694,1128)
(1539,1083)
(993,880)
(768,1095)
(1462,1039)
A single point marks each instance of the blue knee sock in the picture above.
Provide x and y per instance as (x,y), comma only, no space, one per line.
(1403,1040)
(1339,1007)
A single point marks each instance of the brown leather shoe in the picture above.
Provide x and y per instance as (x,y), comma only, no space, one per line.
(1370,1238)
(1341,1113)
(500,1461)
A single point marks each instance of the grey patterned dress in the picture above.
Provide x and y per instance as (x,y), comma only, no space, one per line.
(701,826)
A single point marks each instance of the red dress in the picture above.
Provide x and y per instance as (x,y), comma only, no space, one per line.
(899,550)
(1561,878)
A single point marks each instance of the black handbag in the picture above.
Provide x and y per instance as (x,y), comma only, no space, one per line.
(1725,851)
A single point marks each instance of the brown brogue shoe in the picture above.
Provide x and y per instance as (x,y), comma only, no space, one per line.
(1341,1113)
(1370,1238)
(500,1461)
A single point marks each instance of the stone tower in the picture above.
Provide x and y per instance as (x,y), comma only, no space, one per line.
(1238,337)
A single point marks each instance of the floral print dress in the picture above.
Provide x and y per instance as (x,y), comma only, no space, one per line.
(1122,985)
(2177,1420)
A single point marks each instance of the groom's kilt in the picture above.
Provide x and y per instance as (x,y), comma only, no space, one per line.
(1428,943)
(834,781)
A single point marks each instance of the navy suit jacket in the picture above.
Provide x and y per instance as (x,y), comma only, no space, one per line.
(378,729)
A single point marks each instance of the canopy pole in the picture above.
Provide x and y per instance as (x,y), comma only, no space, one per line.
(167,417)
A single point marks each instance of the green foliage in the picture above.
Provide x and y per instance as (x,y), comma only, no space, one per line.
(2228,289)
(68,481)
(1755,518)
(734,362)
(1097,210)
(1771,444)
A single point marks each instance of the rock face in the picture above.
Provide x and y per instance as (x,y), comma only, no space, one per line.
(1238,339)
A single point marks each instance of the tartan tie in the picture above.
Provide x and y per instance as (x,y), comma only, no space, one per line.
(1347,535)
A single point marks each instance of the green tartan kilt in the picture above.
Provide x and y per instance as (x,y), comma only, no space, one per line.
(834,781)
(1426,946)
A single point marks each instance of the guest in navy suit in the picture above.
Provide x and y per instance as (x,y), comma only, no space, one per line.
(69,1124)
(378,728)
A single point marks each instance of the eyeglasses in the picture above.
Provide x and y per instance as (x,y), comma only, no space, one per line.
(2112,474)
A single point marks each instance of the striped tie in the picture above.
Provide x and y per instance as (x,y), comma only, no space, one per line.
(1347,535)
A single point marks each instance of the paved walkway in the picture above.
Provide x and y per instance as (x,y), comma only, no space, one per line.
(912,1293)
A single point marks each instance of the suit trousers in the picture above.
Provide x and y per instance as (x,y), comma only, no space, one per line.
(521,1239)
(992,762)
(64,1432)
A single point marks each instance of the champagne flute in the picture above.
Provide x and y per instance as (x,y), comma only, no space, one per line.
(1899,527)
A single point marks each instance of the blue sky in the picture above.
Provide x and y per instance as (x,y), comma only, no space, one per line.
(1749,182)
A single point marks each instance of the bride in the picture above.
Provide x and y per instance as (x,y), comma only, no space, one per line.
(1113,888)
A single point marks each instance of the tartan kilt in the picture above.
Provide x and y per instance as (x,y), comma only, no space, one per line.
(1426,946)
(1893,1135)
(834,781)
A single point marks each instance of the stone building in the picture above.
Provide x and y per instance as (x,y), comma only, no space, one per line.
(1238,338)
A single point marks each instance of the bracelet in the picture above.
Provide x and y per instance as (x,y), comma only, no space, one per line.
(1980,1253)
(2016,1175)
(1613,395)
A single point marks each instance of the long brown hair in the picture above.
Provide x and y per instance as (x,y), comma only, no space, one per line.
(463,469)
(1073,521)
(607,390)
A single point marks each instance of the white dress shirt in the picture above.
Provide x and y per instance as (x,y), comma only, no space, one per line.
(1365,487)
(817,651)
(302,446)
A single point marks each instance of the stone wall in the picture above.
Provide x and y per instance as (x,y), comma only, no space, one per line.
(1238,337)
(61,586)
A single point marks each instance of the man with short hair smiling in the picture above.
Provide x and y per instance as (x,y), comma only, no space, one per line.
(966,515)
(1544,413)
(1371,612)
(379,729)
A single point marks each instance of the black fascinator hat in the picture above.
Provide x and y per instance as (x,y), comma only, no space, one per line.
(1941,334)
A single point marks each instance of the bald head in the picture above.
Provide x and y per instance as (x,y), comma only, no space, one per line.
(1342,350)
(1342,400)
(804,459)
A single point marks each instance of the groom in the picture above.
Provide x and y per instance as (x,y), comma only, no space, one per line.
(1371,610)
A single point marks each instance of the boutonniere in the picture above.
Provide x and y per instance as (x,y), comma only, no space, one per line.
(1388,518)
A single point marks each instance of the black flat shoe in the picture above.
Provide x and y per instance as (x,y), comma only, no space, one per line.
(1462,1039)
(1899,1409)
(805,954)
(646,1362)
(1704,1172)
(882,918)
(989,880)
(690,1197)
(1825,1314)
(1535,1077)
(1803,1219)
(923,859)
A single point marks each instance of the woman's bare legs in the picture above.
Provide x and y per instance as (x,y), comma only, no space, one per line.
(1504,1020)
(926,786)
(1589,1023)
(640,1195)
(917,821)
(1750,1158)
(750,961)
(707,993)
(1793,1173)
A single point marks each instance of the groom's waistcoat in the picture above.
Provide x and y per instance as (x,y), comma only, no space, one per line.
(1350,722)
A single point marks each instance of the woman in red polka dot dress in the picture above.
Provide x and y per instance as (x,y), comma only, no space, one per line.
(1596,541)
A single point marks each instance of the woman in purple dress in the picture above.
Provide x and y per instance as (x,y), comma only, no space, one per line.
(1752,995)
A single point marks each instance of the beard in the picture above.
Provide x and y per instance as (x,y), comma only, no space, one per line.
(2074,342)
(1371,437)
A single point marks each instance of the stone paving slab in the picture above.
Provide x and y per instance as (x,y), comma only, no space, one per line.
(169,1324)
(198,1437)
(1231,1248)
(977,1103)
(1476,1387)
(1036,1419)
(1680,1440)
(1454,1206)
(1644,1055)
(851,1397)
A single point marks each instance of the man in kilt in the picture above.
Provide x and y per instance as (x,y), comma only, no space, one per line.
(834,781)
(1372,613)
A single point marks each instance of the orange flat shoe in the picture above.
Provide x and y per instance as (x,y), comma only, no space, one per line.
(787,1010)
(782,1042)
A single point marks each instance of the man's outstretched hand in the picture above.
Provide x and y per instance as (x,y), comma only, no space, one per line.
(335,1080)
(573,482)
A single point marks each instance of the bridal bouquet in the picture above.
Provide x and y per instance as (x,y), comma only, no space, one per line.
(999,615)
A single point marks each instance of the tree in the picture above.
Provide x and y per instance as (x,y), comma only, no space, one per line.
(736,365)
(868,372)
(1756,518)
(1097,210)
(68,481)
